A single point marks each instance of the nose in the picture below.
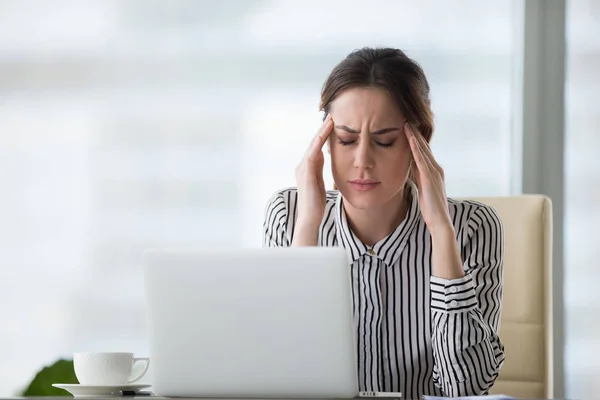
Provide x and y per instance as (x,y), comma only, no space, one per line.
(363,157)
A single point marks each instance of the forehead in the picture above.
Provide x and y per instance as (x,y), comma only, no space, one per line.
(365,103)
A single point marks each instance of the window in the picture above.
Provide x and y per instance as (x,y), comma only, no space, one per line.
(582,198)
(146,123)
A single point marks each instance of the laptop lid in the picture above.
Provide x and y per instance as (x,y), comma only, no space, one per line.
(271,322)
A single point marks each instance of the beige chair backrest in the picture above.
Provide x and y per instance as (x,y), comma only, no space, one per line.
(526,323)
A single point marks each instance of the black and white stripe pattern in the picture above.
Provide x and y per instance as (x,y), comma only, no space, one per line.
(416,333)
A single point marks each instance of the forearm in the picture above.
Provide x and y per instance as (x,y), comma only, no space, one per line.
(445,257)
(467,350)
(469,360)
(305,235)
(466,304)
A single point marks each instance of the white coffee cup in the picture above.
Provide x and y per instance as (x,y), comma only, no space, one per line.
(106,368)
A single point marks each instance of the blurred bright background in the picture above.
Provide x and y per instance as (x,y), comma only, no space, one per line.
(127,124)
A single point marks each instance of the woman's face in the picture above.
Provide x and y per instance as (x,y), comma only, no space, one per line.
(370,155)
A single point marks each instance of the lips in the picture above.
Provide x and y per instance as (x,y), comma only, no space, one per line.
(364,185)
(364,181)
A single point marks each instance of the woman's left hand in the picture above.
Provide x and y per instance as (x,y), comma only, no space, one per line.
(430,182)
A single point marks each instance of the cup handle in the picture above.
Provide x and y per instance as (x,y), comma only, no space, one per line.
(140,376)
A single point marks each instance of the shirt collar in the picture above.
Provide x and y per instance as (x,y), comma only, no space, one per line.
(389,248)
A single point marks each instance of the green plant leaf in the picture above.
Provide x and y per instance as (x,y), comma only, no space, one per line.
(61,371)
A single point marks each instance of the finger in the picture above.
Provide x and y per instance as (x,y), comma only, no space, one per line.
(425,151)
(422,168)
(418,155)
(321,137)
(425,148)
(324,132)
(416,174)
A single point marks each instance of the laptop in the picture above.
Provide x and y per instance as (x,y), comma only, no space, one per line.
(269,323)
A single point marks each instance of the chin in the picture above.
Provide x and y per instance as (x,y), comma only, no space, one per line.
(371,199)
(363,200)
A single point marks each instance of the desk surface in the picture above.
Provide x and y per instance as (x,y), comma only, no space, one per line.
(150,397)
(147,397)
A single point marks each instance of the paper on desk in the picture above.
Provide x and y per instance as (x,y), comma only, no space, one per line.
(487,397)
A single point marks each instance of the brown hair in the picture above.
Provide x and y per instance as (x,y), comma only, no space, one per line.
(391,70)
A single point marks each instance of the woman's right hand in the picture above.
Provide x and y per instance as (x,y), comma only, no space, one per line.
(310,183)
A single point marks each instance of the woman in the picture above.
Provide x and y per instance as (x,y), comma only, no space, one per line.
(426,270)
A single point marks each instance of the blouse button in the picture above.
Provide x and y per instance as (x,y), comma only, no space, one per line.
(453,289)
(372,252)
(453,303)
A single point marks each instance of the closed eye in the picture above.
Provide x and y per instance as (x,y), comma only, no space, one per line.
(350,142)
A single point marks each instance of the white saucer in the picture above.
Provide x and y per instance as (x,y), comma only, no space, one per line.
(78,390)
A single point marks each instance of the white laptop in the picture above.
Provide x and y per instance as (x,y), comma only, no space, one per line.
(269,323)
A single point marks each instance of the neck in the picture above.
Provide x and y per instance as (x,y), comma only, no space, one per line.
(371,226)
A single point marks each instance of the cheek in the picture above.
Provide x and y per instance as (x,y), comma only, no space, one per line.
(404,156)
(339,154)
(341,163)
(395,165)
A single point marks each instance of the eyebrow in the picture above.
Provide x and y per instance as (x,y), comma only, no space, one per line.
(379,132)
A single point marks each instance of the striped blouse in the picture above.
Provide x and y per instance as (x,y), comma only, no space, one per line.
(416,334)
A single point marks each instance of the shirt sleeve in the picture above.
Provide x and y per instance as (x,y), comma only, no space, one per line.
(275,221)
(466,312)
